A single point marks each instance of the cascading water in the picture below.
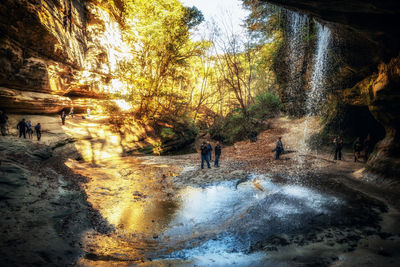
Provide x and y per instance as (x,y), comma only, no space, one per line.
(316,94)
(297,24)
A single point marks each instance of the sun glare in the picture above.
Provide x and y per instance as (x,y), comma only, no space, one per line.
(122,104)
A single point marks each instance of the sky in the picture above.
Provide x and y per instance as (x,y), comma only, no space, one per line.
(222,11)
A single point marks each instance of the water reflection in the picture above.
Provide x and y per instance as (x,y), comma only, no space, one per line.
(218,224)
(223,223)
(137,199)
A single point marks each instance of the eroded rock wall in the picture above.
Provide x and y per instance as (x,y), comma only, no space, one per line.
(365,69)
(55,49)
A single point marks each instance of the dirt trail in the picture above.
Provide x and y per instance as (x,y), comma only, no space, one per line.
(257,157)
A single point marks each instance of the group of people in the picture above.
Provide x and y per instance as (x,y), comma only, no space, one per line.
(358,147)
(25,127)
(206,152)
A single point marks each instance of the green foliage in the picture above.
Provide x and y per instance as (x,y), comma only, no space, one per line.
(167,133)
(158,33)
(157,148)
(266,105)
(235,126)
(193,16)
(174,82)
(264,20)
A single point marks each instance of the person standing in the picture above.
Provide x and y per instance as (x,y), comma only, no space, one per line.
(204,155)
(3,123)
(22,128)
(357,149)
(209,150)
(29,129)
(279,148)
(338,142)
(217,150)
(38,130)
(63,116)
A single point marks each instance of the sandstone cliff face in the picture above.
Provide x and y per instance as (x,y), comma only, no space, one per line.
(365,72)
(55,50)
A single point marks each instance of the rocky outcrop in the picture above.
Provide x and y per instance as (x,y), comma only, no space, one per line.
(32,102)
(364,75)
(376,20)
(58,47)
(384,103)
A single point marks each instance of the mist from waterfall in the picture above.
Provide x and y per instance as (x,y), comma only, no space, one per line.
(317,93)
(296,30)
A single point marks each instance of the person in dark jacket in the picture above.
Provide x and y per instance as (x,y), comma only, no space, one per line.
(21,126)
(217,150)
(204,155)
(38,130)
(209,150)
(63,116)
(279,148)
(3,123)
(338,142)
(357,146)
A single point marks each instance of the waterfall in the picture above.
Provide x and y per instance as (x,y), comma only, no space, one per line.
(296,32)
(317,93)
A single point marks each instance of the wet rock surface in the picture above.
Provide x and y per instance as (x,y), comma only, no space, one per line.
(43,209)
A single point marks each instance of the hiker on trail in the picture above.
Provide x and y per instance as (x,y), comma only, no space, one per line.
(367,147)
(3,123)
(338,142)
(357,149)
(29,129)
(63,116)
(22,128)
(279,148)
(204,155)
(38,130)
(217,150)
(209,150)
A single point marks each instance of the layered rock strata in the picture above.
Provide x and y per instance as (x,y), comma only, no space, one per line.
(55,49)
(366,69)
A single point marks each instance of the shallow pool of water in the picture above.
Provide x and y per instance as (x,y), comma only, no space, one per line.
(218,224)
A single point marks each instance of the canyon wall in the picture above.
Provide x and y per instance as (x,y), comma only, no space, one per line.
(56,54)
(363,85)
